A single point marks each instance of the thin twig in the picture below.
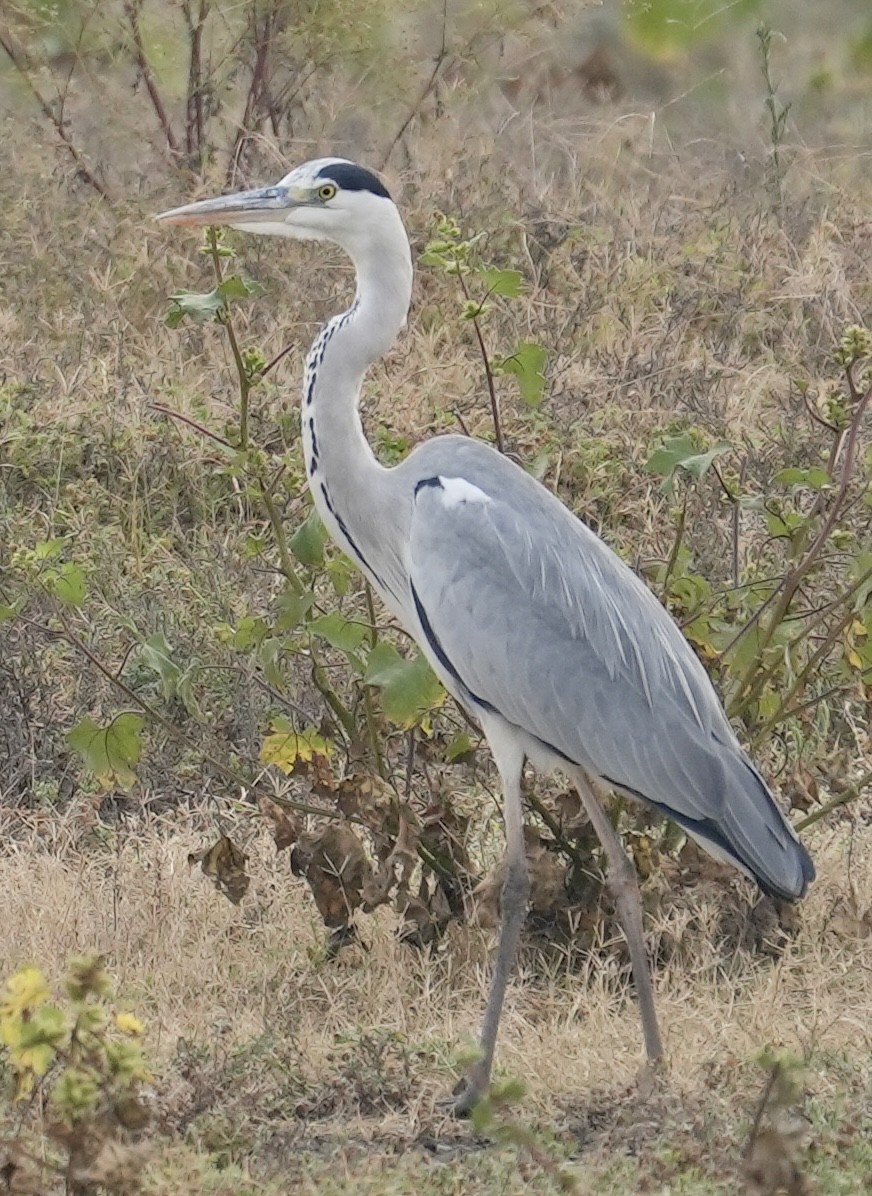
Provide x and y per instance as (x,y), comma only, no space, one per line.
(843,799)
(275,361)
(192,423)
(425,90)
(488,372)
(56,121)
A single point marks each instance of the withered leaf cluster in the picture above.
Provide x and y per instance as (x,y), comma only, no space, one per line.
(374,848)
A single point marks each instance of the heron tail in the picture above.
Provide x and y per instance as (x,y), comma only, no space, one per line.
(753,834)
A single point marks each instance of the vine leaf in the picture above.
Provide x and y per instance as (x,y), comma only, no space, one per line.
(285,747)
(112,752)
(307,542)
(156,654)
(410,688)
(202,307)
(527,366)
(67,583)
(681,453)
(339,632)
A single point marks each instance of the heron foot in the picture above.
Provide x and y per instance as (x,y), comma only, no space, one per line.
(651,1077)
(466,1095)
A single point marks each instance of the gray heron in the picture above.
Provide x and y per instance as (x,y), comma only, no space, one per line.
(559,651)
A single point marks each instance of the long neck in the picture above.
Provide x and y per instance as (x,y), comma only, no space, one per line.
(350,489)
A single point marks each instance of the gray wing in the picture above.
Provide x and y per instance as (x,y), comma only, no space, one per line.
(533,616)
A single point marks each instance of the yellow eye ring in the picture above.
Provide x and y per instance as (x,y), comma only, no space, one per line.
(326,191)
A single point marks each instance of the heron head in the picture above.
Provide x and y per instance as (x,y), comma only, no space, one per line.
(327,199)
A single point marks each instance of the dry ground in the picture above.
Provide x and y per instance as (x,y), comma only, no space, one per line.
(671,288)
(276,1069)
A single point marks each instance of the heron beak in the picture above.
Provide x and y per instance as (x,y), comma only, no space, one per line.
(246,207)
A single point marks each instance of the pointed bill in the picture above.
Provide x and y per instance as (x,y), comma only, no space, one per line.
(245,207)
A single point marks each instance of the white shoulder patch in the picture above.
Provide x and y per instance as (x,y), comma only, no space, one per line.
(458,490)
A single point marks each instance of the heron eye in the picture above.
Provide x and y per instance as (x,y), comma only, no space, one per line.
(326,191)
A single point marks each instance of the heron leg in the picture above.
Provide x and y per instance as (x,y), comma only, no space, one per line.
(513,910)
(624,886)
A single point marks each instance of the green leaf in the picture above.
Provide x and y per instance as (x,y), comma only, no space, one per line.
(861,565)
(815,478)
(270,654)
(9,611)
(203,306)
(185,691)
(509,283)
(111,752)
(48,550)
(527,365)
(292,608)
(340,571)
(680,452)
(237,287)
(67,583)
(338,631)
(307,542)
(460,745)
(410,688)
(200,307)
(156,654)
(249,633)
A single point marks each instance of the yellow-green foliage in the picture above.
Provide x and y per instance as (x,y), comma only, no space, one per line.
(81,1058)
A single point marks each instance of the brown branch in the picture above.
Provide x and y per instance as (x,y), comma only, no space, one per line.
(195,124)
(131,8)
(257,87)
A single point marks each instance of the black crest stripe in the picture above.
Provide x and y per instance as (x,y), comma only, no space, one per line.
(350,177)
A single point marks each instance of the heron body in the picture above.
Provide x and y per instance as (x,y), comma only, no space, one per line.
(530,621)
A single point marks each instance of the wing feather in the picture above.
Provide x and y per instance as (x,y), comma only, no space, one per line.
(540,621)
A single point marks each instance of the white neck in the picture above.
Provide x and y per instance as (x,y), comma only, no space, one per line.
(351,491)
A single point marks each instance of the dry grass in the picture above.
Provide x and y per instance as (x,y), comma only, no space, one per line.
(266,1054)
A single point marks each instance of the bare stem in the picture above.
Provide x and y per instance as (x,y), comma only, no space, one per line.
(488,373)
(679,537)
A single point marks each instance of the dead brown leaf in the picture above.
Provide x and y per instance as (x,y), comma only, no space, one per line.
(548,872)
(397,867)
(285,825)
(547,875)
(425,914)
(333,861)
(224,863)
